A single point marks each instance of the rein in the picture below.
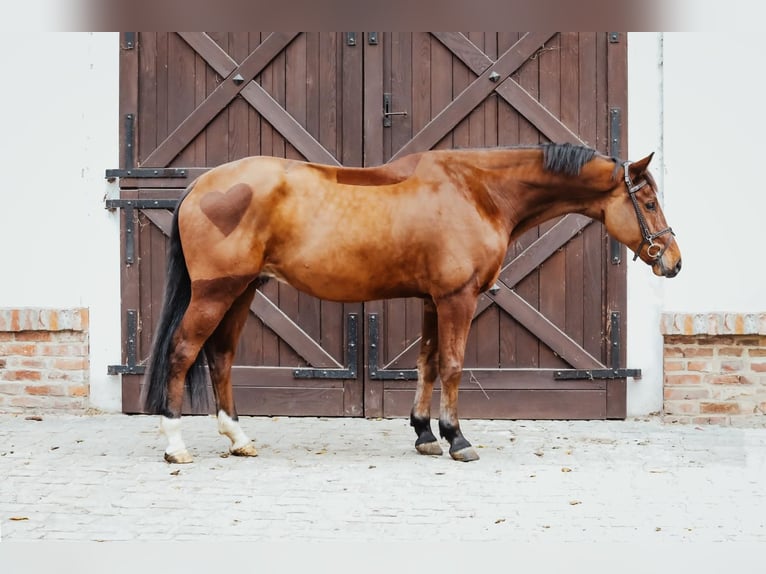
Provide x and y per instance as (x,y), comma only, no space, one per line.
(654,250)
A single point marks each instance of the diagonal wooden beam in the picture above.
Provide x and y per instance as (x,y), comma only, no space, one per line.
(226,91)
(271,315)
(475,93)
(510,90)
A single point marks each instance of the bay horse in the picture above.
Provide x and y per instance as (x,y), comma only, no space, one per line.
(434,225)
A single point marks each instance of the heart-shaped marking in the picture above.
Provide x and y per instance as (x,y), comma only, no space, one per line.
(225,210)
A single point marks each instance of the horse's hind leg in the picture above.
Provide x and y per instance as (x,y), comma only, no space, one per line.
(455,315)
(220,349)
(210,300)
(420,417)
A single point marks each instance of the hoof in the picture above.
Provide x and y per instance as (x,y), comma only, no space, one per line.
(180,457)
(247,450)
(431,448)
(466,454)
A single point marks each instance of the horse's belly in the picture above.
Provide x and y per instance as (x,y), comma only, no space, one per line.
(351,282)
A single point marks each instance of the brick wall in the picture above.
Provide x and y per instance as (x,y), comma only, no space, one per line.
(43,359)
(715,368)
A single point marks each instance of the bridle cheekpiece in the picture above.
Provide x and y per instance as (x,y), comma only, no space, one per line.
(654,250)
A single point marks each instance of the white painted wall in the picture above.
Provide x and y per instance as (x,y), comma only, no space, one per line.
(693,100)
(696,99)
(59,247)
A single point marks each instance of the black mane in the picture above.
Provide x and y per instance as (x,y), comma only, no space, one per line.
(566,158)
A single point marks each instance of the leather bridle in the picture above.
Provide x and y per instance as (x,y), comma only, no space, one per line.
(654,250)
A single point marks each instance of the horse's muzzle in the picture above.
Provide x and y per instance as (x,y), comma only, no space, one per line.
(659,268)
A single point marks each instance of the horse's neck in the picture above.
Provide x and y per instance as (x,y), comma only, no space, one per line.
(530,195)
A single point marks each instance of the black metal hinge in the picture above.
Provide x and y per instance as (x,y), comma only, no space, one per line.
(131,353)
(374,372)
(147,172)
(615,372)
(350,372)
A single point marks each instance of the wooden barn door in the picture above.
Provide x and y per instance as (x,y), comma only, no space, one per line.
(545,342)
(190,101)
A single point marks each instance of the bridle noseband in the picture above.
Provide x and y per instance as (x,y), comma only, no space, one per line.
(653,250)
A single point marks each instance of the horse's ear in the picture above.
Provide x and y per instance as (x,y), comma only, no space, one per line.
(637,168)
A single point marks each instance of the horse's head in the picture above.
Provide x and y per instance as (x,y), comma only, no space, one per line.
(633,216)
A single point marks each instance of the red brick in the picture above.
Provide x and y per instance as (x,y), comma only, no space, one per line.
(731,366)
(731,351)
(681,407)
(673,351)
(675,394)
(699,352)
(674,365)
(20,375)
(700,366)
(78,390)
(727,380)
(30,363)
(757,352)
(70,364)
(719,408)
(33,336)
(64,350)
(758,366)
(683,379)
(6,336)
(13,348)
(46,390)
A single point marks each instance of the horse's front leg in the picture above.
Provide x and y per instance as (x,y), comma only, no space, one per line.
(219,349)
(420,417)
(455,315)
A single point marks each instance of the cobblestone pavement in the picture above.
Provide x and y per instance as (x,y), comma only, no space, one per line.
(102,477)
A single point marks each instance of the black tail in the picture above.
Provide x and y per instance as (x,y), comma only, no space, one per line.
(177,297)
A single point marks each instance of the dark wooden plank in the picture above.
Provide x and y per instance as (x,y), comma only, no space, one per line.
(254,118)
(616,288)
(238,110)
(509,405)
(569,106)
(373,103)
(553,272)
(352,111)
(161,87)
(474,94)
(217,129)
(138,96)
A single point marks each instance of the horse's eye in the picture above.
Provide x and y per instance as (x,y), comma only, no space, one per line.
(651,205)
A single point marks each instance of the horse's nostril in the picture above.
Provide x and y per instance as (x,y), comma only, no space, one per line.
(678,266)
